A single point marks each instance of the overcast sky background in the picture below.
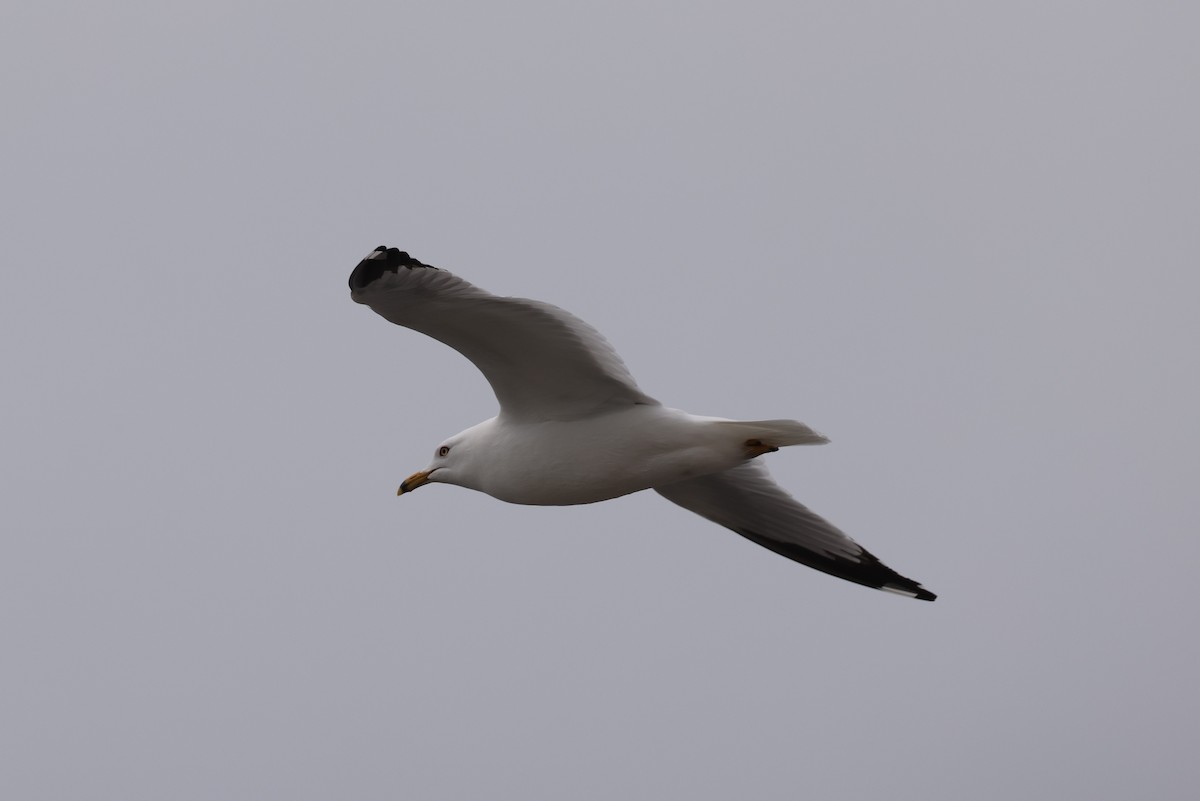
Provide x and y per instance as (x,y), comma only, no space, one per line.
(961,239)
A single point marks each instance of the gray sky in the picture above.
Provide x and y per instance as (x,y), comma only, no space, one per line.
(960,239)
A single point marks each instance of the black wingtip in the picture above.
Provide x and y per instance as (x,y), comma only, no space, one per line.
(907,587)
(379,261)
(866,569)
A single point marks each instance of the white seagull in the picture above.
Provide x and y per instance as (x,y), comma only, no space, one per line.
(574,428)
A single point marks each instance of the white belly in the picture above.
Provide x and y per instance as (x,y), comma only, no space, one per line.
(584,461)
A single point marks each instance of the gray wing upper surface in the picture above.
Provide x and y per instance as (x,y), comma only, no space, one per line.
(746,500)
(542,362)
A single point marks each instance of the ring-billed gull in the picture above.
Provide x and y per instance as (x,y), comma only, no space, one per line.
(574,428)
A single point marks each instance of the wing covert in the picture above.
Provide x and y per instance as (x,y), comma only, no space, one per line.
(542,362)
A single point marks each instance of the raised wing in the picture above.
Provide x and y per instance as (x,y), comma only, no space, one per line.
(543,363)
(746,500)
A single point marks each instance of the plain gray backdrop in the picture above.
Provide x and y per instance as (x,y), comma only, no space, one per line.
(961,239)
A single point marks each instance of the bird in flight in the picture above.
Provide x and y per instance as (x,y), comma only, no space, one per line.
(574,428)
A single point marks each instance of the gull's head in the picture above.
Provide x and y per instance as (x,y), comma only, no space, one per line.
(440,470)
(453,463)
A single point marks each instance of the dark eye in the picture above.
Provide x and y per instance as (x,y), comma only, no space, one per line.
(442,451)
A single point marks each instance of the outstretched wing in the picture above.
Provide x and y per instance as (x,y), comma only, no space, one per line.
(747,500)
(543,363)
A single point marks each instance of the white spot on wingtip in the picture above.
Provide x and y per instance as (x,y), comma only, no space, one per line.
(898,590)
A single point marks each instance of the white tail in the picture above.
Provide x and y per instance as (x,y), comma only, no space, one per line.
(778,433)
